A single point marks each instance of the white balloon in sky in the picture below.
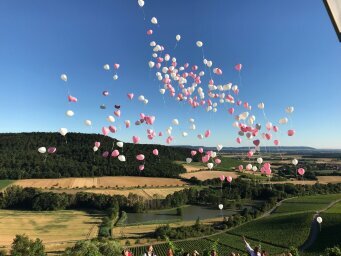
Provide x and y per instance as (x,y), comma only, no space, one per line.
(184,134)
(88,122)
(145,101)
(178,38)
(63,131)
(70,113)
(175,121)
(199,44)
(115,77)
(64,77)
(119,144)
(106,67)
(141,98)
(141,3)
(153,20)
(162,91)
(191,120)
(151,64)
(111,119)
(192,127)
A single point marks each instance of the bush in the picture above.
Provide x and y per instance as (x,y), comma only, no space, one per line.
(335,251)
(23,246)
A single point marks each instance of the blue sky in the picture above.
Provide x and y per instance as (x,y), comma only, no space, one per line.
(289,50)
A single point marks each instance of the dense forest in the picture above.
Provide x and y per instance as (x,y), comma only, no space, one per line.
(20,159)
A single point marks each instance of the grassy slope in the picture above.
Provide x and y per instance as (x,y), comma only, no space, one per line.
(5,183)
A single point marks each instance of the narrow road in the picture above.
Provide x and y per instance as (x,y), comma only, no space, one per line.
(315,228)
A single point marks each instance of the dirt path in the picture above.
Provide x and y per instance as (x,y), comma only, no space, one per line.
(315,228)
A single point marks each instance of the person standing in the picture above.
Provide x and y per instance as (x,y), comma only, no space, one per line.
(253,252)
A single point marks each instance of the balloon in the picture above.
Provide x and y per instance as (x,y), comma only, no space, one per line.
(276,142)
(222,177)
(256,142)
(141,98)
(154,20)
(201,150)
(117,113)
(102,106)
(259,160)
(136,139)
(95,149)
(319,220)
(88,122)
(116,66)
(239,140)
(267,165)
(231,110)
(149,32)
(175,122)
(127,123)
(254,168)
(207,133)
(229,179)
(178,38)
(238,67)
(64,77)
(268,172)
(140,157)
(250,154)
(122,158)
(119,144)
(115,153)
(105,131)
(151,64)
(140,3)
(97,144)
(248,167)
(283,120)
(156,152)
(52,150)
(130,95)
(105,154)
(112,128)
(199,44)
(115,77)
(301,171)
(184,134)
(105,93)
(205,158)
(188,160)
(193,152)
(220,206)
(200,136)
(240,167)
(69,113)
(210,165)
(63,131)
(291,132)
(261,105)
(71,98)
(106,67)
(141,167)
(42,150)
(289,110)
(219,147)
(117,106)
(268,126)
(111,119)
(192,127)
(294,162)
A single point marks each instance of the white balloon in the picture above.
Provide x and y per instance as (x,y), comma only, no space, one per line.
(70,113)
(191,120)
(220,206)
(153,20)
(199,44)
(200,136)
(152,44)
(210,166)
(213,154)
(209,63)
(106,67)
(151,64)
(254,168)
(248,167)
(141,3)
(145,101)
(42,150)
(289,110)
(119,144)
(184,134)
(261,105)
(111,119)
(122,158)
(219,147)
(319,220)
(95,149)
(294,161)
(88,122)
(63,131)
(259,160)
(178,37)
(115,77)
(188,160)
(141,98)
(192,127)
(64,77)
(175,121)
(162,91)
(283,120)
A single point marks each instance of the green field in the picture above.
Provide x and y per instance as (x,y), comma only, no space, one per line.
(5,183)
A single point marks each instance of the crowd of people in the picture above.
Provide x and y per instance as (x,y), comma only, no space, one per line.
(255,251)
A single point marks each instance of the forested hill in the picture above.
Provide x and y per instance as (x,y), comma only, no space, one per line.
(19,157)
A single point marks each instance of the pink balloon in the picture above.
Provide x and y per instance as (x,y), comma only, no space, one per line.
(127,123)
(217,161)
(239,102)
(140,157)
(72,99)
(275,128)
(117,112)
(207,133)
(160,134)
(130,96)
(136,139)
(105,131)
(222,177)
(291,132)
(229,179)
(268,171)
(268,136)
(239,140)
(205,158)
(115,153)
(276,142)
(142,115)
(301,171)
(149,32)
(112,128)
(240,167)
(52,150)
(116,66)
(97,144)
(201,150)
(238,67)
(156,152)
(105,154)
(231,110)
(256,142)
(141,167)
(267,165)
(250,154)
(149,119)
(193,152)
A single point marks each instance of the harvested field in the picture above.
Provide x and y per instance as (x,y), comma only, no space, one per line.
(321,179)
(100,182)
(52,227)
(206,175)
